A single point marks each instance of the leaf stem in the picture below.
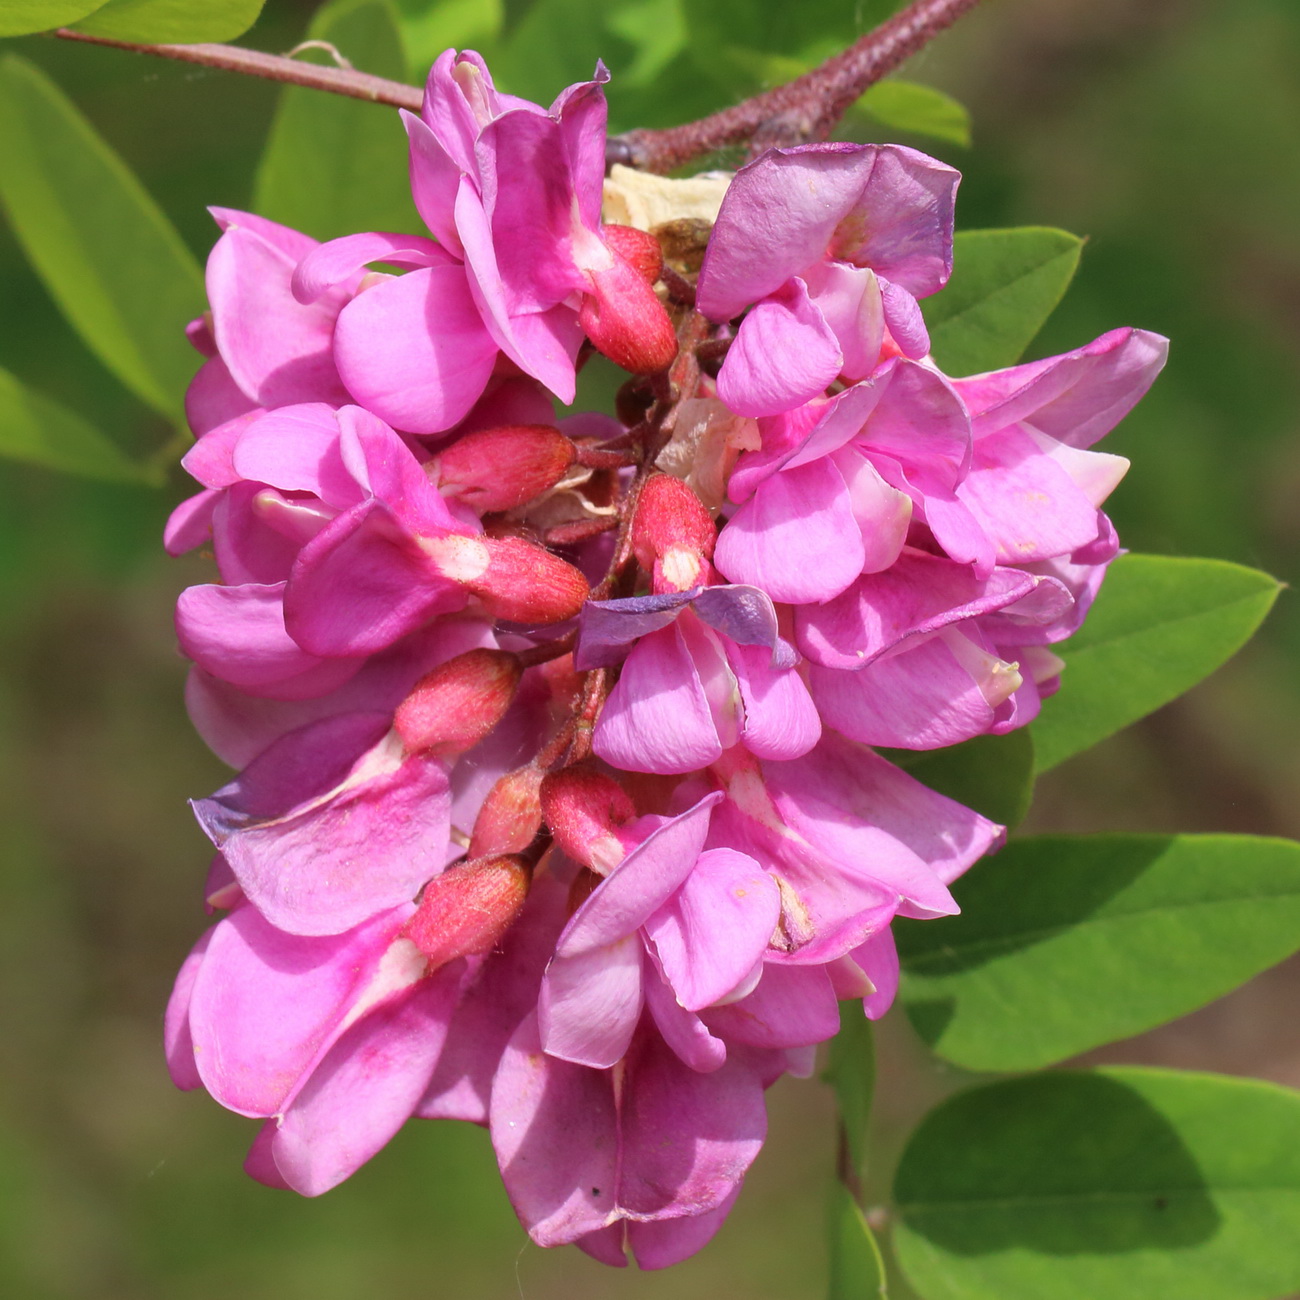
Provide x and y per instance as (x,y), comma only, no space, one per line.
(806,108)
(274,67)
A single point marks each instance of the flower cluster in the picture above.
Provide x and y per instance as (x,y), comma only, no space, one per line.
(556,809)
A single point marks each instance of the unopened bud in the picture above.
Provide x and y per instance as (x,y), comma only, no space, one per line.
(511,815)
(499,469)
(452,708)
(526,583)
(638,248)
(626,321)
(467,909)
(583,808)
(673,535)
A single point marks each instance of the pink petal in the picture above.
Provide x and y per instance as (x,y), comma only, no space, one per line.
(178,1041)
(590,1003)
(848,298)
(413,349)
(712,931)
(435,178)
(296,449)
(682,1030)
(213,397)
(660,1243)
(795,537)
(783,355)
(339,261)
(780,719)
(878,959)
(792,1006)
(190,524)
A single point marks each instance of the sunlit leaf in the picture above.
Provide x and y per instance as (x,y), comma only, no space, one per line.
(906,106)
(1005,284)
(185,22)
(857,1272)
(1160,624)
(18,17)
(1067,942)
(431,26)
(109,257)
(334,166)
(1130,1184)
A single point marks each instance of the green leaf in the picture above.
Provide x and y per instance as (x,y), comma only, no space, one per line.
(1127,1184)
(852,1073)
(184,22)
(39,431)
(431,26)
(992,774)
(1066,942)
(906,106)
(857,1272)
(1005,284)
(656,29)
(334,165)
(109,257)
(1160,624)
(19,17)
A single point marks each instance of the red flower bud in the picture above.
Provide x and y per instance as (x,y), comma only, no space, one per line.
(626,321)
(672,533)
(452,708)
(511,815)
(583,808)
(498,469)
(468,908)
(525,583)
(638,248)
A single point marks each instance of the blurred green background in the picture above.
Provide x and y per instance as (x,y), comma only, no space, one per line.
(1166,131)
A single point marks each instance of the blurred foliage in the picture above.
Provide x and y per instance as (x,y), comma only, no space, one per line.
(1168,134)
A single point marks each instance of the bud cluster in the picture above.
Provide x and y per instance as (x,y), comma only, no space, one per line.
(556,807)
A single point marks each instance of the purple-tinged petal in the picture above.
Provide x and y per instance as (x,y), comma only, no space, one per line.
(783,355)
(791,1007)
(660,1243)
(339,261)
(278,351)
(746,616)
(607,1246)
(606,627)
(776,220)
(901,224)
(641,883)
(555,1130)
(237,634)
(917,596)
(712,931)
(362,583)
(780,719)
(795,537)
(682,1030)
(657,717)
(178,1041)
(1077,397)
(365,1088)
(332,824)
(590,1003)
(414,351)
(265,1003)
(904,320)
(688,1138)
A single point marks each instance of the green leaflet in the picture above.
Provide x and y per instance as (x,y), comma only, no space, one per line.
(108,256)
(184,22)
(39,431)
(992,774)
(1160,625)
(857,1272)
(1065,942)
(431,26)
(906,106)
(1004,286)
(1128,1184)
(18,17)
(334,166)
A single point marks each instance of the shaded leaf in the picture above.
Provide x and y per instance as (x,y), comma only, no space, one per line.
(18,17)
(108,256)
(857,1272)
(1160,624)
(906,106)
(1067,942)
(333,165)
(39,431)
(852,1073)
(184,22)
(992,774)
(1131,1184)
(1005,284)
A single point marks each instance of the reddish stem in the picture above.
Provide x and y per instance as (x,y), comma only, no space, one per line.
(806,108)
(274,67)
